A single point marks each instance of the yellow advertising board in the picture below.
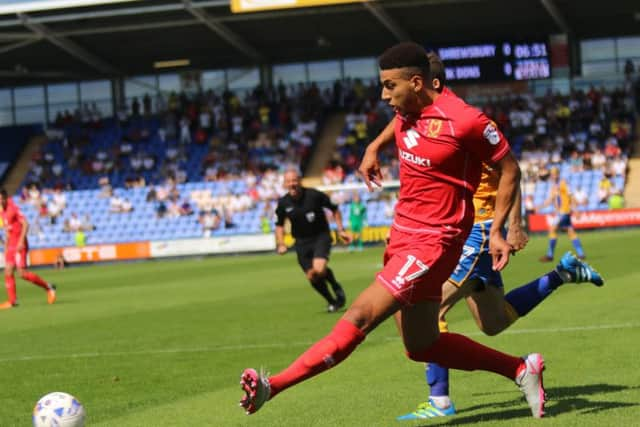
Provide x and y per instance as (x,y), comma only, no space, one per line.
(242,6)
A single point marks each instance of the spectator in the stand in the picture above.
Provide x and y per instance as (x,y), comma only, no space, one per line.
(173,209)
(54,210)
(86,223)
(185,132)
(59,198)
(333,173)
(205,119)
(629,69)
(161,193)
(611,148)
(161,209)
(266,219)
(595,129)
(136,161)
(228,217)
(146,103)
(80,238)
(604,188)
(237,124)
(580,198)
(57,169)
(149,162)
(73,224)
(116,204)
(126,206)
(616,200)
(598,160)
(43,210)
(185,208)
(210,221)
(576,162)
(619,166)
(35,196)
(135,107)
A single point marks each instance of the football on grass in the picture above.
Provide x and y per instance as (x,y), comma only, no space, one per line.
(58,409)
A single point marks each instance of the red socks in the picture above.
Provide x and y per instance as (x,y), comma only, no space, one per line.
(459,352)
(35,279)
(324,354)
(10,284)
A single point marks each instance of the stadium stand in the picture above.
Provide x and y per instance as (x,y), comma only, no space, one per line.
(128,159)
(217,175)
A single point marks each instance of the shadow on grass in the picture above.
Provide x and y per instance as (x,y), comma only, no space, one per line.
(559,400)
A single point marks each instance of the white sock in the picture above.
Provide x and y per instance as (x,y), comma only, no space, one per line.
(442,402)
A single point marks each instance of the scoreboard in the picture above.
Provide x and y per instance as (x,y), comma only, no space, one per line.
(495,62)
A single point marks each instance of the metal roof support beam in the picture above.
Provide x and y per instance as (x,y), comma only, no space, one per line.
(556,15)
(18,45)
(126,28)
(381,15)
(69,46)
(140,10)
(18,36)
(223,31)
(110,13)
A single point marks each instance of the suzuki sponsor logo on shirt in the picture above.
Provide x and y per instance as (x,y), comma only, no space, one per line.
(416,160)
(411,140)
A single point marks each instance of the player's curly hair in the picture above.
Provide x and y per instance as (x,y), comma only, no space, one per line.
(3,192)
(408,55)
(436,69)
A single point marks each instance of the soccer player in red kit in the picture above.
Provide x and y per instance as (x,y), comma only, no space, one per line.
(15,252)
(441,142)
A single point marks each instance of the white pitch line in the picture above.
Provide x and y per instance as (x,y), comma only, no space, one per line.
(221,348)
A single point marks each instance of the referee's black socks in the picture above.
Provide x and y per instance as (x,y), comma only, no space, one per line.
(337,289)
(321,286)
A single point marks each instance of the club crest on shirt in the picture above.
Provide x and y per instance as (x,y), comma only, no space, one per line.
(434,127)
(491,134)
(311,216)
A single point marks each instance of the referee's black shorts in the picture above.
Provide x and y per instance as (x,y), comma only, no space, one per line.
(313,247)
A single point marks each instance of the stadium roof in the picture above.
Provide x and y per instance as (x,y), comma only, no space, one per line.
(127,38)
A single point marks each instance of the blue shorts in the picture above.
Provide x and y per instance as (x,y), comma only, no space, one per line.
(475,261)
(564,220)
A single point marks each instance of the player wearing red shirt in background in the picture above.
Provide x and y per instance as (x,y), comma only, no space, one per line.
(442,142)
(15,252)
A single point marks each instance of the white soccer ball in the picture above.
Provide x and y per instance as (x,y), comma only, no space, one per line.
(58,409)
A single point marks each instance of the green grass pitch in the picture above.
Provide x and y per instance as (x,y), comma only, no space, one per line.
(163,343)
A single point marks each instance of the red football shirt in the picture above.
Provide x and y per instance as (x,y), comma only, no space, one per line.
(11,218)
(440,154)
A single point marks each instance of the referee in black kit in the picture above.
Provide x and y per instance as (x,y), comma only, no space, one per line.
(304,207)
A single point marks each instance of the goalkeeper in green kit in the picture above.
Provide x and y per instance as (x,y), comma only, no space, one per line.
(357,218)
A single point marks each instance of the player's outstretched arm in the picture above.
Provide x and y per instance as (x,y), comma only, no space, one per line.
(370,167)
(508,187)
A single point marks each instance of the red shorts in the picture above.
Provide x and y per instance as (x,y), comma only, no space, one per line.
(416,264)
(15,257)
